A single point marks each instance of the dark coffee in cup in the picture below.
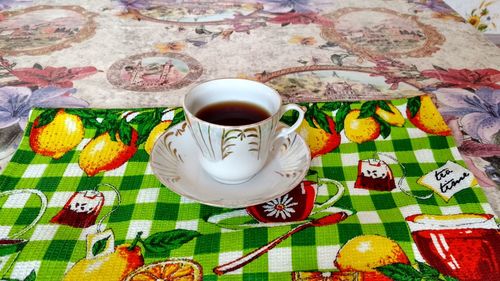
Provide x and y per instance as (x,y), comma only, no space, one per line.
(232,113)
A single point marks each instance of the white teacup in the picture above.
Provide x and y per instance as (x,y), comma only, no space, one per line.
(233,154)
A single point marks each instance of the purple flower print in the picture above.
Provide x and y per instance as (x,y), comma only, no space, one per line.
(478,112)
(7,4)
(286,6)
(134,4)
(435,5)
(16,102)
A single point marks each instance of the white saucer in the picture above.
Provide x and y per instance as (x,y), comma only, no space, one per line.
(175,162)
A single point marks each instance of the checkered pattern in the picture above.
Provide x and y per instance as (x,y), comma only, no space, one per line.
(149,207)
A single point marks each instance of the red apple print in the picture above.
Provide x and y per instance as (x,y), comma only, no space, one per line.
(296,205)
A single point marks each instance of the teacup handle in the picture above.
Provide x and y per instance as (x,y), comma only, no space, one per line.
(286,131)
(327,204)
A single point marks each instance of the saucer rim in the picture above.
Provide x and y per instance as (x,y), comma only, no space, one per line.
(233,205)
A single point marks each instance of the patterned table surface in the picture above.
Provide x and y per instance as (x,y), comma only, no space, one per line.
(130,54)
(484,15)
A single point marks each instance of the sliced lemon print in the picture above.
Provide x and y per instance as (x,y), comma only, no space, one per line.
(169,270)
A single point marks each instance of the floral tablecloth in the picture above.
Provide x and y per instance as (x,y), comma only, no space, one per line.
(147,54)
(483,15)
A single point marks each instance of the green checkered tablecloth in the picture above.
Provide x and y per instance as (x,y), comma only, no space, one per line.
(149,207)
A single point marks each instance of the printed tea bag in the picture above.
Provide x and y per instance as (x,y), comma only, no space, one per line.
(81,210)
(374,174)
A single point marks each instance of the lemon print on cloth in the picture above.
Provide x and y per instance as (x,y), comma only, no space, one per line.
(62,133)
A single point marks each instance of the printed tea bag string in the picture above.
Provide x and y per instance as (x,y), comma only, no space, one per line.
(376,155)
(327,204)
(43,207)
(99,224)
